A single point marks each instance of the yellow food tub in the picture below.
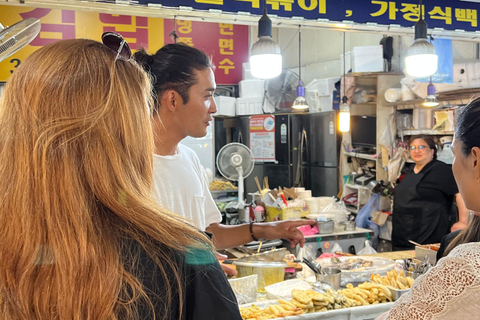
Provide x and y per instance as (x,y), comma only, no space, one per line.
(268,272)
(277,214)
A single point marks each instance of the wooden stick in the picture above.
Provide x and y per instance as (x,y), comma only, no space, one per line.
(258,184)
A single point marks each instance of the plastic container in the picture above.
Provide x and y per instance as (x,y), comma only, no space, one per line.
(404,121)
(283,290)
(252,88)
(247,106)
(268,272)
(225,106)
(325,227)
(340,227)
(422,118)
(350,225)
(245,288)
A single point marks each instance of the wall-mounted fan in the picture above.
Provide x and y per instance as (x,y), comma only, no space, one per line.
(235,162)
(281,91)
(17,36)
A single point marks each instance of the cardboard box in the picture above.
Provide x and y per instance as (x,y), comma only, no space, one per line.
(277,214)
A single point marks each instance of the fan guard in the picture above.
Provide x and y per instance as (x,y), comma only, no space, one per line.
(235,155)
(17,36)
(282,90)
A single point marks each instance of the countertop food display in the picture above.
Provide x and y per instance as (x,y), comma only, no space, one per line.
(309,304)
(358,269)
(217,184)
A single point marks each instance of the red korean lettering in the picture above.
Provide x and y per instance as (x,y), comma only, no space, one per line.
(63,30)
(136,39)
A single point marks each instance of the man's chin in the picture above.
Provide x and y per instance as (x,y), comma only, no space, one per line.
(199,135)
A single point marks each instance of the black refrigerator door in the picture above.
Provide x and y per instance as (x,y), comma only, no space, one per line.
(323,181)
(278,175)
(324,140)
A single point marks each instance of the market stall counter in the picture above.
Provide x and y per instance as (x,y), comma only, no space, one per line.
(345,239)
(295,300)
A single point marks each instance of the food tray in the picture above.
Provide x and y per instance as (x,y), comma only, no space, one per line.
(354,313)
(396,293)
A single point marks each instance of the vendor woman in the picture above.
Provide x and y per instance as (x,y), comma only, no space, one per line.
(423,199)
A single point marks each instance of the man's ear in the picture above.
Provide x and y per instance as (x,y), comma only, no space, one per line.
(170,99)
(475,153)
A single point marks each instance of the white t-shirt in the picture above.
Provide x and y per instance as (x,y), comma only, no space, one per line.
(181,187)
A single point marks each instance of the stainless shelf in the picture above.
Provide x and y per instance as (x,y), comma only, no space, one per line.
(426,131)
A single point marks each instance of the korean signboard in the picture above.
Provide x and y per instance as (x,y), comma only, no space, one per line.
(446,14)
(227,44)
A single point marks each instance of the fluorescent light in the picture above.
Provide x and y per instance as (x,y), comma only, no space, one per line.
(300,103)
(430,100)
(421,60)
(265,57)
(344,116)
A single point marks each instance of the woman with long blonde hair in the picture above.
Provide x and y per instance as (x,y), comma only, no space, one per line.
(82,237)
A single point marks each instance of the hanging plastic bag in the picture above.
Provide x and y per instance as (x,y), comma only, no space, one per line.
(363,216)
(368,248)
(336,247)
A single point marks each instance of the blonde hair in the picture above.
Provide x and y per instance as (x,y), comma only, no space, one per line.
(76,152)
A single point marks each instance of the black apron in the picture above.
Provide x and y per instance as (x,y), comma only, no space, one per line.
(416,218)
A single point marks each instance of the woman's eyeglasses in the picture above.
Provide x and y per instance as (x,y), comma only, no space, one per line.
(117,44)
(422,147)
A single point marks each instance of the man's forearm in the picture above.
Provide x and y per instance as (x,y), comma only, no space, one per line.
(225,236)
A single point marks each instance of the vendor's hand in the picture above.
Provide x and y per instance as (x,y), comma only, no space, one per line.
(283,230)
(229,271)
(458,226)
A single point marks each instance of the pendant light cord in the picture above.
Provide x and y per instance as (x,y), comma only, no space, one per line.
(344,79)
(300,53)
(173,34)
(421,10)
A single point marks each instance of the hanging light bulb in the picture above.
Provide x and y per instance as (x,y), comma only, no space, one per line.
(430,100)
(265,57)
(344,113)
(300,103)
(421,60)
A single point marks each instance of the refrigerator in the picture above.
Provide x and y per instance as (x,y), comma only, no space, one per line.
(300,150)
(323,153)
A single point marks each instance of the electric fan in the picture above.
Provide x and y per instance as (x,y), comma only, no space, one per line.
(235,162)
(282,90)
(17,36)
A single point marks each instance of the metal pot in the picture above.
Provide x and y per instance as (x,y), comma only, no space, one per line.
(350,226)
(325,226)
(268,272)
